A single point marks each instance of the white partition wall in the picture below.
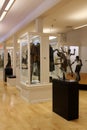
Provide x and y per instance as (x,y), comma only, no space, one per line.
(44,59)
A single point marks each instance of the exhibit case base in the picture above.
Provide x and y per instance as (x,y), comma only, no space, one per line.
(36,93)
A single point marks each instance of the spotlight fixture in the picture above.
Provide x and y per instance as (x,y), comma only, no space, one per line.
(5,7)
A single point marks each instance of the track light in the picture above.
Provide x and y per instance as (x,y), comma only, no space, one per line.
(85,25)
(6,5)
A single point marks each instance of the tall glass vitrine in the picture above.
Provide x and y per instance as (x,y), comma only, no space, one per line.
(34,58)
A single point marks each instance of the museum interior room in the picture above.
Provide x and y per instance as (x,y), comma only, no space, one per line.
(43,65)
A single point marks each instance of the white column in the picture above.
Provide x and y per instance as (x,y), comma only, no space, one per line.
(39,25)
(44,52)
(44,61)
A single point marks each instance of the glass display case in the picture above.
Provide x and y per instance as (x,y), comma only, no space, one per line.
(34,58)
(34,67)
(30,58)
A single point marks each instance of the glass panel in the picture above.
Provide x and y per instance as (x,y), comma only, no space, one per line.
(53,57)
(24,60)
(35,59)
(59,58)
(1,59)
(18,55)
(72,58)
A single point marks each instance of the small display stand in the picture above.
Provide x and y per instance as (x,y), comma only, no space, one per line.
(66,98)
(7,72)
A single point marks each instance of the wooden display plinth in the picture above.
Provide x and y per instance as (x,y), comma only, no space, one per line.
(66,98)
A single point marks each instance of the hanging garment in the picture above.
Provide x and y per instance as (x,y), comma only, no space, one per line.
(51,58)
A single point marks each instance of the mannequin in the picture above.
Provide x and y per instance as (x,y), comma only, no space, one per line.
(8,68)
(35,59)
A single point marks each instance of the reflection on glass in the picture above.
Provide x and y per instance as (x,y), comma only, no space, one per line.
(1,58)
(24,57)
(60,59)
(24,60)
(53,58)
(35,59)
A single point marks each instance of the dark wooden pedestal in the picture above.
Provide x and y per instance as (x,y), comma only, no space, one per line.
(66,98)
(7,72)
(83,86)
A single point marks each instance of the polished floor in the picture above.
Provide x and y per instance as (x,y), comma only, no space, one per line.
(17,114)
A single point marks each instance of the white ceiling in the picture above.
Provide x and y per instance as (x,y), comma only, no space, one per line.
(64,16)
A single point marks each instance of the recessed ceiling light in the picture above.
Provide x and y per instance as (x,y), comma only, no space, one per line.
(1,3)
(51,37)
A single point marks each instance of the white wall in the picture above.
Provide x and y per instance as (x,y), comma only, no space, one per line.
(79,38)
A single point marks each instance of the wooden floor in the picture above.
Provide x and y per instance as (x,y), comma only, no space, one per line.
(16,114)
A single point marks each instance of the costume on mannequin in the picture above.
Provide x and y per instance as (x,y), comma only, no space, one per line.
(51,57)
(25,60)
(9,61)
(35,60)
(78,67)
(51,61)
(8,68)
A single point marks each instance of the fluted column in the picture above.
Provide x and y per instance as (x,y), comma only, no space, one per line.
(39,25)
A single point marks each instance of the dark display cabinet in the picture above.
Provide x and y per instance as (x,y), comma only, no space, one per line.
(66,98)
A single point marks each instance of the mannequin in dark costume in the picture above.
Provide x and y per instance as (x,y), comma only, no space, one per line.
(51,61)
(78,67)
(51,57)
(32,53)
(8,68)
(38,59)
(35,58)
(9,61)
